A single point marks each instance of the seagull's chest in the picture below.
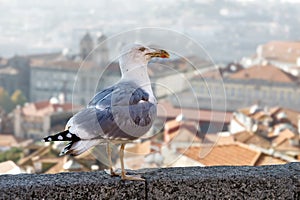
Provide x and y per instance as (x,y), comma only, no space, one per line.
(132,121)
(140,80)
(128,93)
(133,109)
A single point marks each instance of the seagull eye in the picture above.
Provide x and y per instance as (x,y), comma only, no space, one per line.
(142,49)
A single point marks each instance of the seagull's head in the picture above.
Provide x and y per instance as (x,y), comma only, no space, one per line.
(138,55)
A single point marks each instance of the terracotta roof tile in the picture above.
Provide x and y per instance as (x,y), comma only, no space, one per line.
(285,51)
(252,138)
(184,132)
(263,72)
(42,108)
(230,154)
(7,140)
(292,115)
(166,110)
(41,104)
(286,146)
(283,135)
(276,115)
(243,136)
(211,74)
(222,140)
(268,160)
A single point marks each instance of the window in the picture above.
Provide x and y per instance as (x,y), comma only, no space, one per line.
(281,95)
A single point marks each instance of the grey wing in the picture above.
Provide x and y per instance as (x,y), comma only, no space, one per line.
(129,116)
(119,122)
(138,95)
(93,123)
(127,122)
(116,113)
(101,98)
(126,93)
(85,125)
(143,113)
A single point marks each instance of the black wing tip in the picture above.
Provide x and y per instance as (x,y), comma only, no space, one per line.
(62,136)
(67,150)
(47,139)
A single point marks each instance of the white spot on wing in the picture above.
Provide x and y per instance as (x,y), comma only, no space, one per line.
(49,139)
(60,137)
(69,135)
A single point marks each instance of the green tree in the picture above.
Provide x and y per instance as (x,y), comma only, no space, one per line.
(18,98)
(5,101)
(13,154)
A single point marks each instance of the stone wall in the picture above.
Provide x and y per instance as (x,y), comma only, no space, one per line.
(224,182)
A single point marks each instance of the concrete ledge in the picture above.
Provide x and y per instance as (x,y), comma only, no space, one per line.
(225,182)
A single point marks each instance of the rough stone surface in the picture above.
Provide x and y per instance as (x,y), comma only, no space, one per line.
(225,182)
(267,182)
(79,185)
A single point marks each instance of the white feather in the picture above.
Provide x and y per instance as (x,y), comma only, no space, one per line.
(82,146)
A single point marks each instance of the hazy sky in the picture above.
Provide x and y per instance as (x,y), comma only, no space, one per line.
(34,26)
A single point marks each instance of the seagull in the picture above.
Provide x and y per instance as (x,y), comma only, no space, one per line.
(118,114)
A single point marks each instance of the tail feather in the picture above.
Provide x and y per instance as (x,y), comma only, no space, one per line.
(76,148)
(76,145)
(62,136)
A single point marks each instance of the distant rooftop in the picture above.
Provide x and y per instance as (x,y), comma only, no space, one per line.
(61,64)
(287,51)
(235,154)
(263,72)
(42,108)
(9,70)
(46,56)
(277,113)
(167,110)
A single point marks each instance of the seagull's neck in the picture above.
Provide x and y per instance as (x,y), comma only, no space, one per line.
(139,75)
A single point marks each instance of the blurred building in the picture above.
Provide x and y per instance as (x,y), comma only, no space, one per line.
(281,53)
(6,122)
(42,76)
(36,120)
(265,84)
(274,130)
(46,159)
(86,46)
(101,55)
(181,131)
(51,78)
(15,75)
(78,77)
(7,141)
(205,121)
(284,54)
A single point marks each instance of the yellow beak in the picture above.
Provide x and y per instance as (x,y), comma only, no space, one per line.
(159,53)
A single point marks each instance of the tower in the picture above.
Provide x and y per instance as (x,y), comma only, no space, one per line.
(101,54)
(86,45)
